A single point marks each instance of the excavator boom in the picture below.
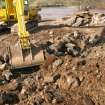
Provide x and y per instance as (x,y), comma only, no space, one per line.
(22,33)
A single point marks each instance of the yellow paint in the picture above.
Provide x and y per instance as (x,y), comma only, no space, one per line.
(23,34)
(9,13)
(13,11)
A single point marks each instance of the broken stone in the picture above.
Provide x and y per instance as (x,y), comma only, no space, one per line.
(52,47)
(68,81)
(56,77)
(1,99)
(81,78)
(61,47)
(70,45)
(38,101)
(40,86)
(59,53)
(66,38)
(2,61)
(13,85)
(23,97)
(49,93)
(30,85)
(6,58)
(48,79)
(7,74)
(52,93)
(75,51)
(49,50)
(86,21)
(51,78)
(94,40)
(83,18)
(10,98)
(51,32)
(57,100)
(84,54)
(78,23)
(98,19)
(70,21)
(76,34)
(38,76)
(57,48)
(2,81)
(87,100)
(2,66)
(23,94)
(57,63)
(99,76)
(97,72)
(73,81)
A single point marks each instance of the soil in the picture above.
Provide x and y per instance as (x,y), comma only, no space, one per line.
(77,80)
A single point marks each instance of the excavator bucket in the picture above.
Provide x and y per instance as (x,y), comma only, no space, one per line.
(19,58)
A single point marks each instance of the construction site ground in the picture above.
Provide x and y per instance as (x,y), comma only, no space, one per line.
(70,77)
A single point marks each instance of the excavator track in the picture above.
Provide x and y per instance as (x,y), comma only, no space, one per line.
(4,29)
(31,25)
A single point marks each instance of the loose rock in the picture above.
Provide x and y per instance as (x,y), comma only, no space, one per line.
(38,101)
(78,23)
(7,74)
(70,21)
(1,99)
(73,81)
(87,100)
(2,81)
(74,51)
(57,63)
(56,77)
(57,100)
(10,98)
(48,79)
(29,86)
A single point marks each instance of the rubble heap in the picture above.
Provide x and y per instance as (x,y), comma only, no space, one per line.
(85,18)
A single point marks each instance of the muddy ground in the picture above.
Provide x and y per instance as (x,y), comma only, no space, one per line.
(72,74)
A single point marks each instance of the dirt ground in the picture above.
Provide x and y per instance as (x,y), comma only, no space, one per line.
(72,77)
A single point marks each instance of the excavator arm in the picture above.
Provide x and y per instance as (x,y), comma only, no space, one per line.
(22,33)
(24,53)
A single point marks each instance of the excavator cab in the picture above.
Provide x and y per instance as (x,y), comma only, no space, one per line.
(7,11)
(3,16)
(8,14)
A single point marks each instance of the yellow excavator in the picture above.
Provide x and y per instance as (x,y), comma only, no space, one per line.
(8,14)
(23,53)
